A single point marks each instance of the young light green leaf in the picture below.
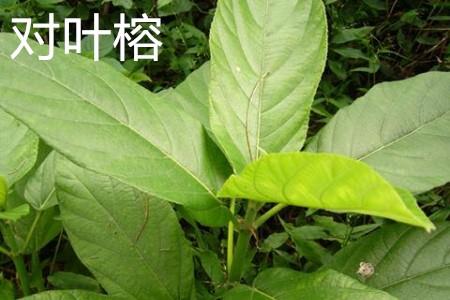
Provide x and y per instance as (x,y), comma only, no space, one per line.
(3,192)
(267,58)
(40,187)
(407,262)
(324,181)
(399,128)
(287,284)
(69,295)
(131,242)
(115,127)
(16,213)
(18,146)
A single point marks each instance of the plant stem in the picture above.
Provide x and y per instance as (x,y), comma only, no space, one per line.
(31,231)
(17,259)
(37,271)
(22,274)
(5,251)
(269,214)
(242,244)
(230,238)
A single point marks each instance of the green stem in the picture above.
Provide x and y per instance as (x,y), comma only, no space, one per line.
(22,274)
(230,238)
(269,214)
(17,259)
(37,271)
(6,251)
(242,244)
(31,231)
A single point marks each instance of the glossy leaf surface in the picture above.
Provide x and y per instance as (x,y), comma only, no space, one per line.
(324,181)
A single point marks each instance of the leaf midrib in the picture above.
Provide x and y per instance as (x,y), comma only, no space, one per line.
(122,124)
(126,237)
(398,139)
(408,278)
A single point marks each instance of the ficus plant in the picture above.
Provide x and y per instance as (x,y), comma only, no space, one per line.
(116,166)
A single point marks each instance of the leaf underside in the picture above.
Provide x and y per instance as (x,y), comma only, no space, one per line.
(400,128)
(101,120)
(267,58)
(18,147)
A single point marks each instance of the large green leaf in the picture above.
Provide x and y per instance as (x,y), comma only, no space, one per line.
(267,57)
(103,121)
(325,181)
(69,295)
(287,284)
(18,145)
(192,95)
(40,187)
(130,241)
(3,192)
(400,128)
(408,263)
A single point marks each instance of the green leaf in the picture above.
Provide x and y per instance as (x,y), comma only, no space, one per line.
(399,128)
(304,237)
(351,34)
(127,4)
(68,281)
(324,181)
(212,265)
(38,227)
(6,289)
(274,241)
(40,187)
(115,127)
(287,284)
(69,295)
(408,263)
(106,45)
(267,58)
(3,192)
(173,7)
(18,146)
(192,95)
(16,213)
(131,242)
